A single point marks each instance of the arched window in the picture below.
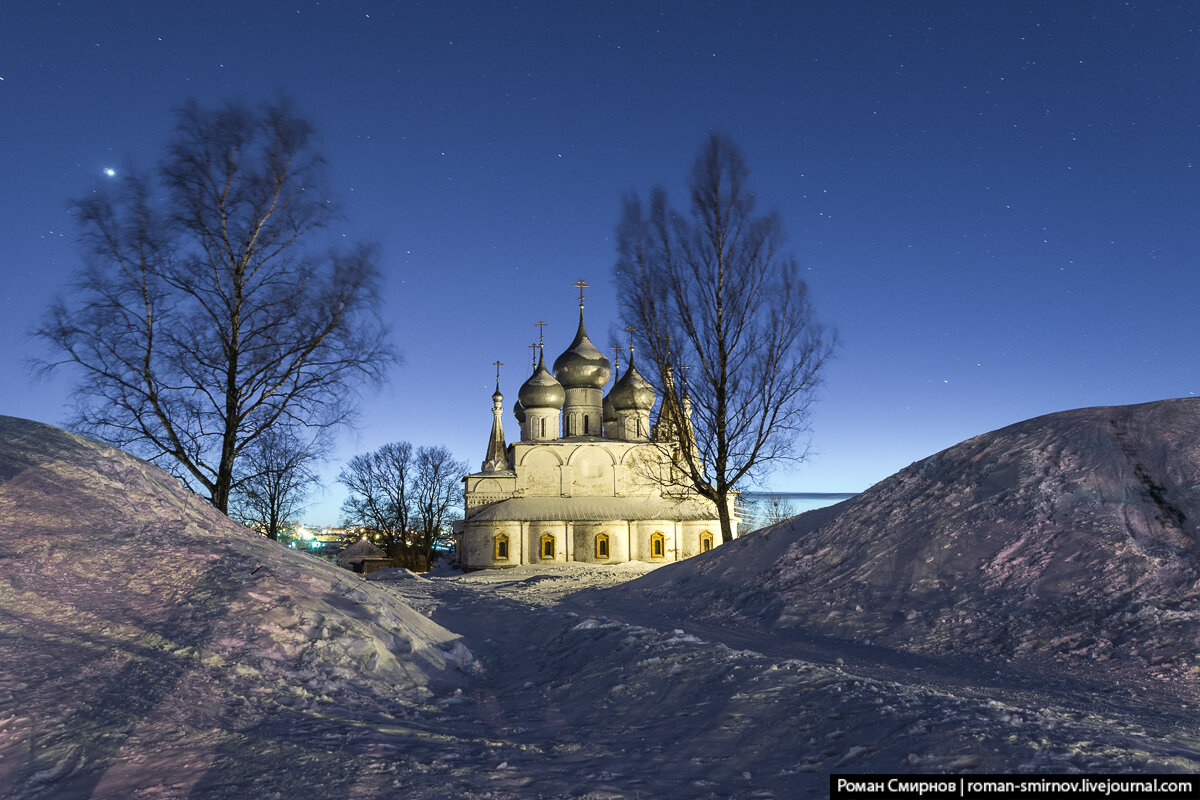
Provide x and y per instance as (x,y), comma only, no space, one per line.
(585,425)
(602,545)
(547,549)
(658,545)
(543,433)
(501,547)
(706,541)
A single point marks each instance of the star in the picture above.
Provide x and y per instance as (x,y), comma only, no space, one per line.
(110,172)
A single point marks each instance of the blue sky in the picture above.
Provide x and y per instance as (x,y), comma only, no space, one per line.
(994,203)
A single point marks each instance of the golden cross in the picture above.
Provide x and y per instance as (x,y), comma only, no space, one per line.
(498,364)
(539,325)
(581,286)
(631,330)
(617,355)
(533,348)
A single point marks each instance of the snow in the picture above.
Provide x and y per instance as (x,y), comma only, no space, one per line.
(151,648)
(1068,542)
(133,617)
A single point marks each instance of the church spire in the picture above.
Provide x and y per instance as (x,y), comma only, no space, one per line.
(496,459)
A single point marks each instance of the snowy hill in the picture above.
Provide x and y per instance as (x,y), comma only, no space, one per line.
(135,618)
(1069,538)
(150,648)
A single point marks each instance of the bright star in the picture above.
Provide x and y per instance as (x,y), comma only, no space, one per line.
(110,172)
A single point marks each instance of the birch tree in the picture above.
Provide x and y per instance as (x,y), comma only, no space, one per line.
(724,320)
(210,309)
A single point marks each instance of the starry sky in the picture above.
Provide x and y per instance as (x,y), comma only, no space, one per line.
(995,204)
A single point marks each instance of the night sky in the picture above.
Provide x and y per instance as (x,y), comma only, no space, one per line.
(995,204)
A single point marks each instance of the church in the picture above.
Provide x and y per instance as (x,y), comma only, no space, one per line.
(576,487)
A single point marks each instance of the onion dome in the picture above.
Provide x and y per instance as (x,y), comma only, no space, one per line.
(519,412)
(632,392)
(610,413)
(582,365)
(541,390)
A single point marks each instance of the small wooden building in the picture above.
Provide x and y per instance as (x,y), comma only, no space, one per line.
(364,557)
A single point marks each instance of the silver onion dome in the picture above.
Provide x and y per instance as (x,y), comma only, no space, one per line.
(632,392)
(541,390)
(582,365)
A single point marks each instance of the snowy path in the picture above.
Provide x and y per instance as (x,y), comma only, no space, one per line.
(575,705)
(562,702)
(1141,714)
(1142,705)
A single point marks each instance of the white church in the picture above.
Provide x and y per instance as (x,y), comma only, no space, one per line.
(575,488)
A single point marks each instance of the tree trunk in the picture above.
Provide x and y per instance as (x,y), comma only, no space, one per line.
(723,515)
(221,489)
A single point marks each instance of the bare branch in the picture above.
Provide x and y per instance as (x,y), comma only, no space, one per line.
(207,312)
(406,497)
(274,477)
(726,322)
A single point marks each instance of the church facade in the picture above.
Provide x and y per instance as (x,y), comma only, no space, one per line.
(575,488)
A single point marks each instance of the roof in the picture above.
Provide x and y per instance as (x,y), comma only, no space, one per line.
(599,509)
(362,549)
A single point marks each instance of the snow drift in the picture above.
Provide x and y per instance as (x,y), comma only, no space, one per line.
(1072,535)
(132,610)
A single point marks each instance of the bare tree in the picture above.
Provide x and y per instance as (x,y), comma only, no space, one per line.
(274,477)
(438,492)
(405,497)
(381,498)
(774,509)
(209,310)
(779,509)
(735,349)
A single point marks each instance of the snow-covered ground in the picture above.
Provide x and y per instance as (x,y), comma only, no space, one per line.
(151,649)
(1068,543)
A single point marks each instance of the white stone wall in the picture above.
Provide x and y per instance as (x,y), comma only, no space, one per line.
(478,542)
(541,425)
(555,469)
(534,533)
(584,536)
(583,402)
(480,490)
(581,469)
(643,550)
(690,533)
(632,426)
(576,541)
